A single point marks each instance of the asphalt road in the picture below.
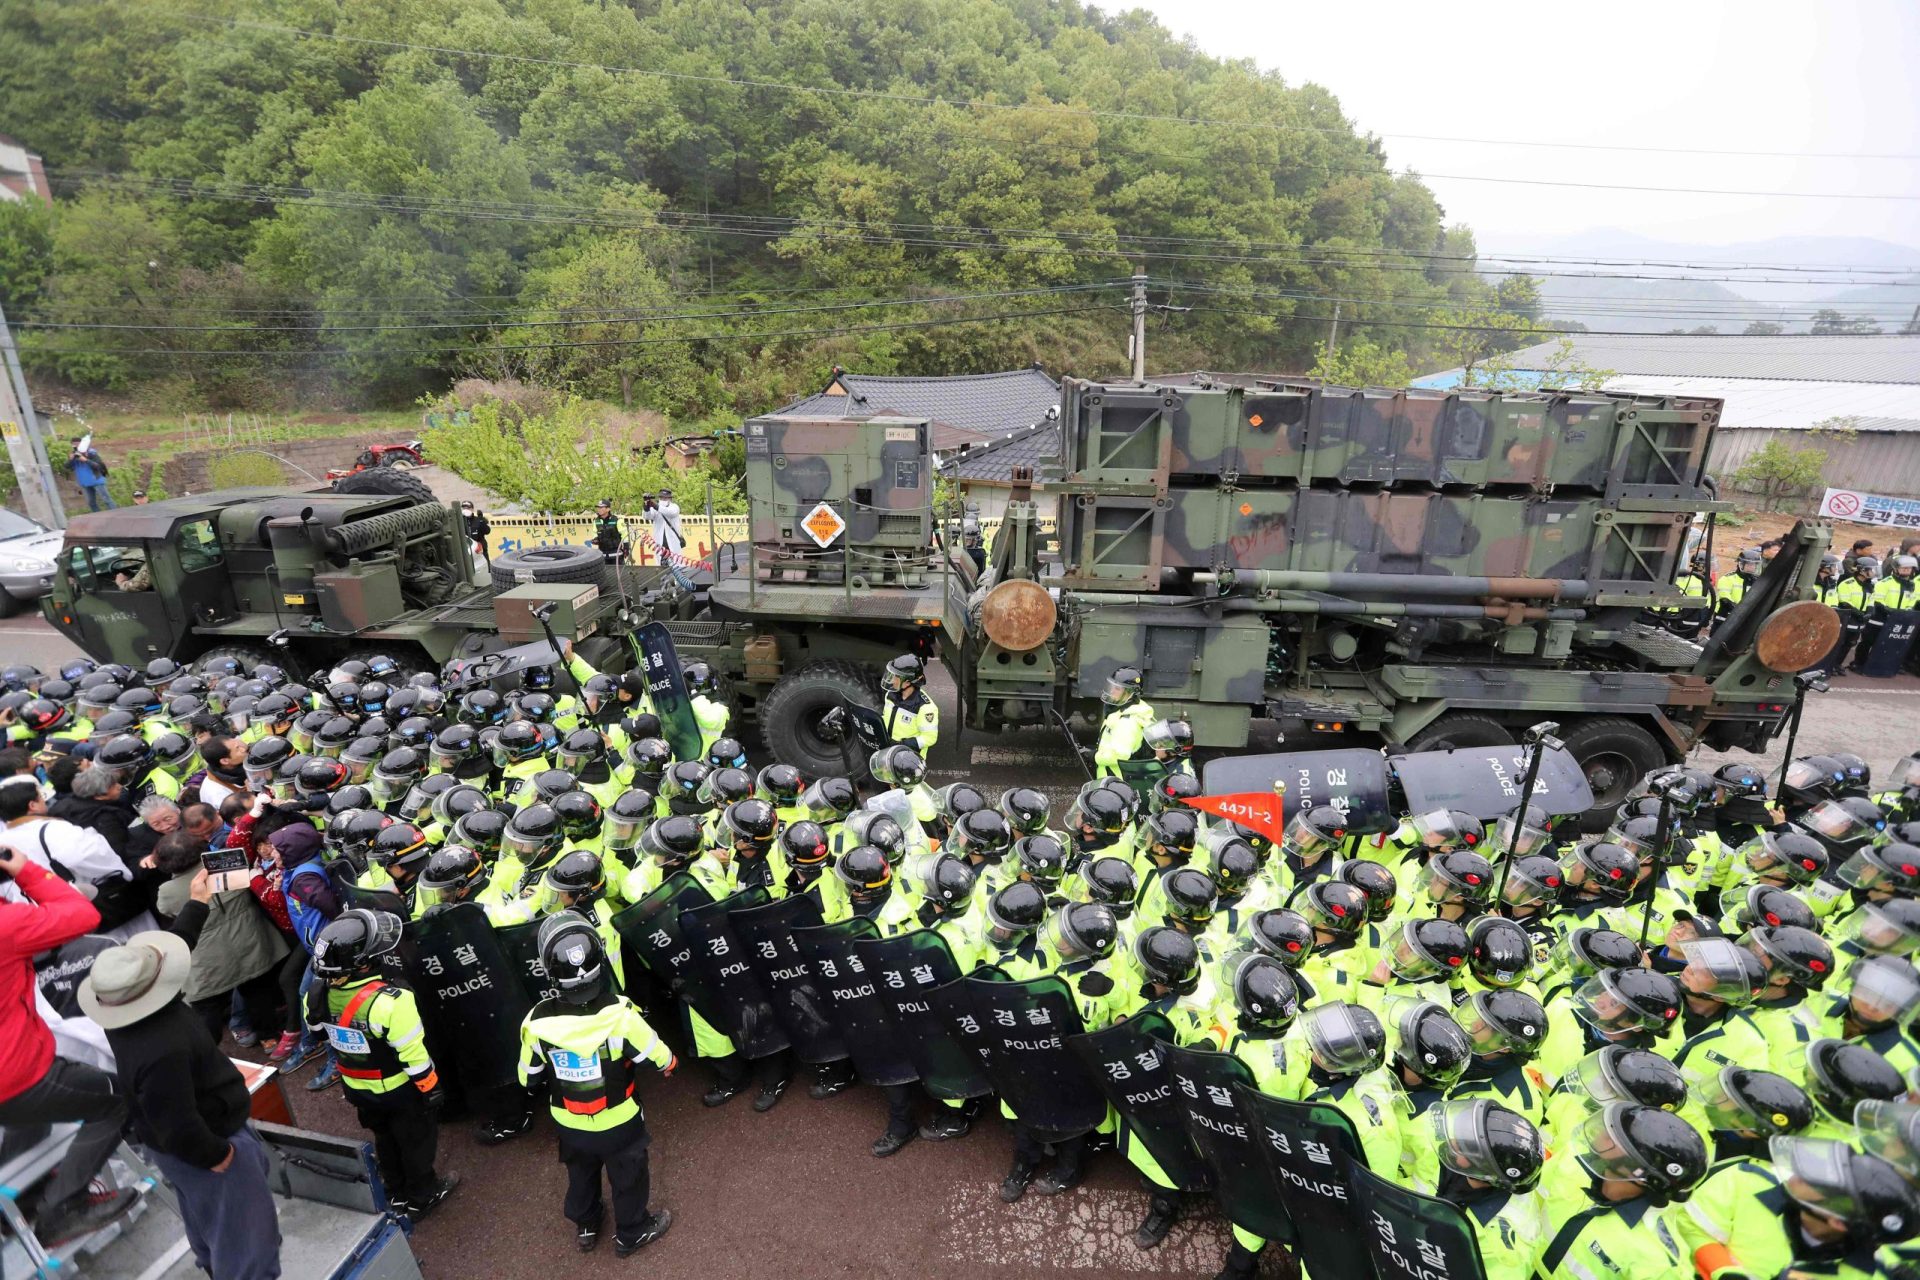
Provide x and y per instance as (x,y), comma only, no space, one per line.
(795,1193)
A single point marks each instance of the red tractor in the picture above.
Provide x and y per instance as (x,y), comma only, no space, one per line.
(405,456)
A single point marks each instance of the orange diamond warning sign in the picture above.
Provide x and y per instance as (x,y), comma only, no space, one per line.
(823,524)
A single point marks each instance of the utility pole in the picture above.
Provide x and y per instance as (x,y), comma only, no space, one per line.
(1137,345)
(1333,330)
(21,430)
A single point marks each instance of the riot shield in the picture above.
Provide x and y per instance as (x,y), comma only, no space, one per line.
(1411,1236)
(1129,1065)
(1242,1181)
(766,934)
(1311,1150)
(745,1008)
(521,945)
(910,968)
(1021,1029)
(667,690)
(651,930)
(1352,780)
(468,993)
(855,1001)
(1485,781)
(1889,651)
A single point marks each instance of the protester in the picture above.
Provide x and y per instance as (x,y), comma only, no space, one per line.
(35,1086)
(94,799)
(74,853)
(157,817)
(239,949)
(189,1104)
(225,759)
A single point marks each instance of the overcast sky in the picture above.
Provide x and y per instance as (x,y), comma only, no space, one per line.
(1831,76)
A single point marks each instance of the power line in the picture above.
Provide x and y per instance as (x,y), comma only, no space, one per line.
(1111,245)
(760,336)
(893,96)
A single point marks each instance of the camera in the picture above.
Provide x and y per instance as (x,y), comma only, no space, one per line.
(226,869)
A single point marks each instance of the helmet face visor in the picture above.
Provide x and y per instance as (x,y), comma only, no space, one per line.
(1831,819)
(1604,1151)
(1716,970)
(1884,992)
(1884,933)
(1817,1173)
(1336,1040)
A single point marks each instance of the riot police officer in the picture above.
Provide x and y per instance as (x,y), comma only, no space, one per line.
(1123,729)
(583,1047)
(910,712)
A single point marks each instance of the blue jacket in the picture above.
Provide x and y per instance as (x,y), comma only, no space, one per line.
(88,469)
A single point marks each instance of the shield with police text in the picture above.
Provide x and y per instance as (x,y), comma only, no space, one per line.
(1889,652)
(1411,1236)
(1486,781)
(1352,780)
(1129,1065)
(667,689)
(1310,1150)
(766,934)
(745,1008)
(1203,1090)
(1021,1031)
(521,945)
(651,930)
(855,1000)
(469,995)
(910,967)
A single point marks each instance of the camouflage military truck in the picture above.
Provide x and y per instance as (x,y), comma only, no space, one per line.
(1430,568)
(373,564)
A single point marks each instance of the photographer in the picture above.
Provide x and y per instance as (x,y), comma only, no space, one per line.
(663,517)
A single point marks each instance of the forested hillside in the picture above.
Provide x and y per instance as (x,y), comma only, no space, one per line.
(692,205)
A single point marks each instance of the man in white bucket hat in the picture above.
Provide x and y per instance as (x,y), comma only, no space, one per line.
(189,1105)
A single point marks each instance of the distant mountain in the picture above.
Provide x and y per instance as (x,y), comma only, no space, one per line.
(1583,293)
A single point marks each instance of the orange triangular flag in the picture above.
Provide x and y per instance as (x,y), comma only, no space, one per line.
(1257,809)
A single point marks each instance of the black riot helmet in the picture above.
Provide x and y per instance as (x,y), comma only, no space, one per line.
(629,815)
(881,830)
(1457,876)
(1081,931)
(1626,1000)
(1620,1073)
(1427,1041)
(1509,1022)
(649,758)
(354,943)
(1123,686)
(1042,859)
(805,844)
(1235,864)
(904,673)
(672,840)
(402,849)
(1754,1103)
(1111,881)
(533,833)
(1314,832)
(1335,906)
(1427,948)
(723,786)
(550,784)
(829,800)
(1600,869)
(1842,1073)
(1871,1198)
(1168,958)
(779,784)
(1480,1139)
(1501,954)
(1100,812)
(574,958)
(1533,880)
(750,825)
(1170,834)
(1172,791)
(1285,935)
(579,814)
(450,804)
(1025,809)
(319,776)
(726,753)
(1191,897)
(481,831)
(981,834)
(454,874)
(518,740)
(1798,955)
(580,750)
(1785,857)
(1016,909)
(580,875)
(865,872)
(957,799)
(1264,995)
(1376,882)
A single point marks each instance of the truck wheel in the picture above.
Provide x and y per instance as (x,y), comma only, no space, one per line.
(10,604)
(790,715)
(1461,729)
(565,564)
(248,656)
(1615,754)
(387,482)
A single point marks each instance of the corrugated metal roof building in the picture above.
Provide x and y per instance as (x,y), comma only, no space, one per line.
(1855,397)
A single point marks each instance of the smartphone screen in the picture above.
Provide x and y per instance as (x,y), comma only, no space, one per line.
(226,869)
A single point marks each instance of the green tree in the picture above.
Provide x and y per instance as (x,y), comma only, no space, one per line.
(1828,321)
(1778,470)
(1359,362)
(1763,328)
(26,252)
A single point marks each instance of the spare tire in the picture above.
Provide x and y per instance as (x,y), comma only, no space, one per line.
(385,481)
(586,565)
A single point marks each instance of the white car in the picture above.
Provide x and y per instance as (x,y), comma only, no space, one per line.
(28,550)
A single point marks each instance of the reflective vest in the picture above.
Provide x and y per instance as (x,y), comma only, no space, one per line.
(1123,736)
(376,1035)
(914,720)
(1897,593)
(585,1057)
(1854,594)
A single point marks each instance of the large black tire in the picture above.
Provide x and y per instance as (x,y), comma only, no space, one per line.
(385,481)
(1615,753)
(248,656)
(10,604)
(564,564)
(790,716)
(1461,729)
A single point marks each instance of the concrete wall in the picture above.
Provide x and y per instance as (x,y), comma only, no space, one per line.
(1886,462)
(992,500)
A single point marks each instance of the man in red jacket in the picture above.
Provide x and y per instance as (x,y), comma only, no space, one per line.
(35,1086)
